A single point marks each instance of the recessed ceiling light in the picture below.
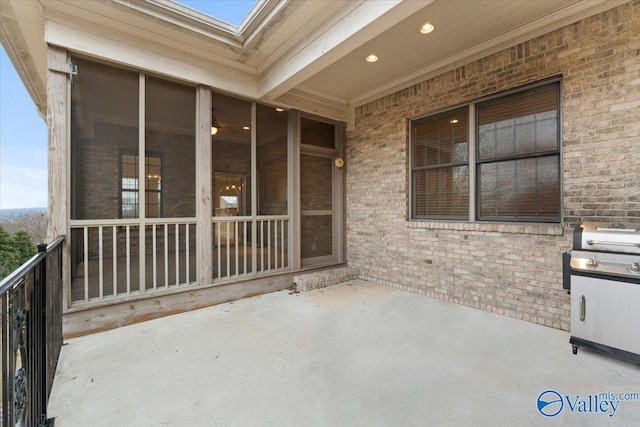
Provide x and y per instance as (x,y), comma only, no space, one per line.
(279,110)
(372,58)
(454,121)
(427,28)
(246,127)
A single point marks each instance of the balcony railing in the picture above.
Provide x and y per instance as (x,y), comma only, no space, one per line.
(31,336)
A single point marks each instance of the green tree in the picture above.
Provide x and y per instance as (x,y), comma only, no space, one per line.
(14,251)
(23,245)
(8,255)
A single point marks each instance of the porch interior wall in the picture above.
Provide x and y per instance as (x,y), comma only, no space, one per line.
(272,168)
(511,269)
(178,172)
(97,178)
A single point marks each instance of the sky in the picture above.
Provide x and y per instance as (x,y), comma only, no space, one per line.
(23,133)
(230,11)
(23,144)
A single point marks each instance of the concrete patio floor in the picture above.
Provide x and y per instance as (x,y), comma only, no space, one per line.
(356,354)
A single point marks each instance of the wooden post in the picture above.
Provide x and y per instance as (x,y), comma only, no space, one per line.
(58,139)
(204,235)
(293,142)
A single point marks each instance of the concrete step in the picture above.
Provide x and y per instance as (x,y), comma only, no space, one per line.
(322,279)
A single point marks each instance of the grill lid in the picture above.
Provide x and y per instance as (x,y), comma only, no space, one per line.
(603,237)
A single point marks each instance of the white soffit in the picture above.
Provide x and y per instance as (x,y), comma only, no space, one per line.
(335,39)
(464,30)
(22,36)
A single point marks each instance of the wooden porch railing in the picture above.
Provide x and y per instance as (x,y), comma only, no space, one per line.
(108,262)
(235,251)
(116,259)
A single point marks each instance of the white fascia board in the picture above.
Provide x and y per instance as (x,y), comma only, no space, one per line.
(316,103)
(260,16)
(190,69)
(356,24)
(39,101)
(190,19)
(258,21)
(210,26)
(23,41)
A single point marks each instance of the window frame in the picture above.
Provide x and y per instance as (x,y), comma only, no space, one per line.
(148,191)
(437,166)
(474,162)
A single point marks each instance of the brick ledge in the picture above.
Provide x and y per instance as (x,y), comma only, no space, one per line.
(540,229)
(322,279)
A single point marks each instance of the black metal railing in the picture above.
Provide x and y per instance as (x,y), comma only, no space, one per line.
(31,336)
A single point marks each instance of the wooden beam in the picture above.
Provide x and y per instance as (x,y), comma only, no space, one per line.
(293,135)
(339,192)
(228,75)
(204,235)
(315,103)
(58,141)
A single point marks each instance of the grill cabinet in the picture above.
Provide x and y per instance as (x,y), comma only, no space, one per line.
(602,273)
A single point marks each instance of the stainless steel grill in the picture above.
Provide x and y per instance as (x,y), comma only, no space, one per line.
(602,272)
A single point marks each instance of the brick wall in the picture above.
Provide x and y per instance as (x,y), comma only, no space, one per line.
(98,171)
(178,154)
(272,169)
(514,269)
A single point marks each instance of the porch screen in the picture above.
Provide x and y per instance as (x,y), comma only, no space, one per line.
(232,184)
(170,122)
(231,156)
(104,125)
(271,159)
(136,177)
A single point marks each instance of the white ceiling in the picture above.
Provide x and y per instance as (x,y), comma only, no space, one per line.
(297,54)
(460,25)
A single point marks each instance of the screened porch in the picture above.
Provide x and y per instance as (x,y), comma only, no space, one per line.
(175,186)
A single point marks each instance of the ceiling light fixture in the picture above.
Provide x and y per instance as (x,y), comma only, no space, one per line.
(454,121)
(372,58)
(215,126)
(279,110)
(246,127)
(427,28)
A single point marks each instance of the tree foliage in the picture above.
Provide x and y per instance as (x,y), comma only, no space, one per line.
(14,251)
(34,223)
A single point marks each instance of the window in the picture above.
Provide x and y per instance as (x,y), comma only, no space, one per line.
(441,166)
(516,161)
(130,188)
